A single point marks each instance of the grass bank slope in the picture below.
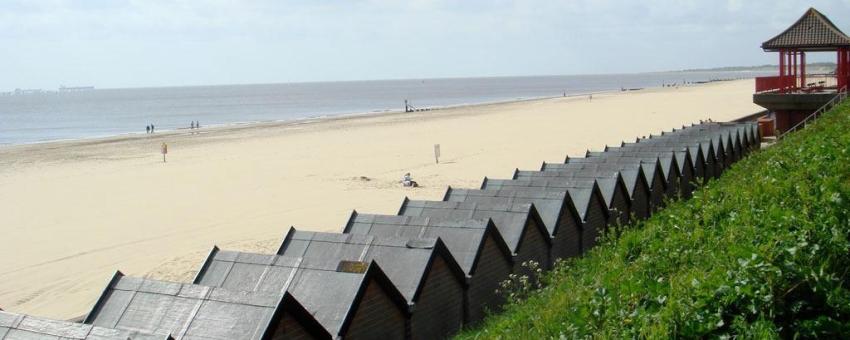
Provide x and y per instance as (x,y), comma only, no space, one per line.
(763,252)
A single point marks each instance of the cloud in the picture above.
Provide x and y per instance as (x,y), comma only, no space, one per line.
(159,42)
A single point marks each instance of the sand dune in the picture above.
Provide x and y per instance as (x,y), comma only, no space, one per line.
(74,212)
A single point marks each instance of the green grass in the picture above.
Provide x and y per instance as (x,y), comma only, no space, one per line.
(763,252)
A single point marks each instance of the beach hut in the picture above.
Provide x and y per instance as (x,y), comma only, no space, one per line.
(477,246)
(728,134)
(686,162)
(350,299)
(713,162)
(723,150)
(613,190)
(589,202)
(651,170)
(520,226)
(422,269)
(191,311)
(556,209)
(701,165)
(636,184)
(669,166)
(22,327)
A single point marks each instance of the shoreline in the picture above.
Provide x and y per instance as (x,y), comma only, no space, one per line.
(330,117)
(76,211)
(295,121)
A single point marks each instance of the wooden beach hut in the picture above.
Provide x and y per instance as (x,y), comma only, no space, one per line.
(350,299)
(651,169)
(713,162)
(729,136)
(613,190)
(520,226)
(23,327)
(590,204)
(191,311)
(723,149)
(702,168)
(477,246)
(556,209)
(422,269)
(686,162)
(632,175)
(669,166)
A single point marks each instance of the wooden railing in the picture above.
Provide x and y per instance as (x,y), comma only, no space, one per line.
(839,97)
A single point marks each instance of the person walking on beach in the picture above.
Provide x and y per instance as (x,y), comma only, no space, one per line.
(192,124)
(152,128)
(197,124)
(164,150)
(147,129)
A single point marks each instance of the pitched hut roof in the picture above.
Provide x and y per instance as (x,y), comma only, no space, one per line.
(681,153)
(331,290)
(812,32)
(666,159)
(650,169)
(582,194)
(632,174)
(608,182)
(190,311)
(510,219)
(406,261)
(465,239)
(19,326)
(549,204)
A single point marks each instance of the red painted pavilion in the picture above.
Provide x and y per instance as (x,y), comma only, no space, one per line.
(793,95)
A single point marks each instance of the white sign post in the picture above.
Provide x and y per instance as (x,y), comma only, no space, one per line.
(437,153)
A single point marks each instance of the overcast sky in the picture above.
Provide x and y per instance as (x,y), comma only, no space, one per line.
(115,43)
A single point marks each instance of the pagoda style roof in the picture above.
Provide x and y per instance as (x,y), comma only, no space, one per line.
(812,32)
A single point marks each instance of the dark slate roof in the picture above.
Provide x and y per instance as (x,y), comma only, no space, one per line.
(607,184)
(21,327)
(581,193)
(464,239)
(650,168)
(510,219)
(666,159)
(549,204)
(187,311)
(705,144)
(631,173)
(682,153)
(406,261)
(812,32)
(694,148)
(328,288)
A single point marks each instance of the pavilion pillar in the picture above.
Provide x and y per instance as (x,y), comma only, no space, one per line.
(802,69)
(781,70)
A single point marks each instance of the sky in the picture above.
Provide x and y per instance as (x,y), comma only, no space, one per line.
(141,43)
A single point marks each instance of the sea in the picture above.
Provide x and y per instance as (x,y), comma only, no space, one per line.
(68,115)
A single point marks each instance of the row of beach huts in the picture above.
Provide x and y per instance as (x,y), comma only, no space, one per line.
(421,274)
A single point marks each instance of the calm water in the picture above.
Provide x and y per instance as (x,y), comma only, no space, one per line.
(72,115)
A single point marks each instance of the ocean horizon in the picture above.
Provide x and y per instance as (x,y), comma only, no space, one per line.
(53,116)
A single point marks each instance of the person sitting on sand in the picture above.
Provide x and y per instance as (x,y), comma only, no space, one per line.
(408,181)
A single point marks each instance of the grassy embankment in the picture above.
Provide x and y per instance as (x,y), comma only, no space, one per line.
(763,252)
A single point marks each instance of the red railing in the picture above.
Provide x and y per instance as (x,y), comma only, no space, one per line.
(764,84)
(814,82)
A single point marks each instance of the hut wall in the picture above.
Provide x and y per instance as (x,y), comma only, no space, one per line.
(533,248)
(699,170)
(594,225)
(674,189)
(377,317)
(687,180)
(641,205)
(567,243)
(492,269)
(622,205)
(439,311)
(290,329)
(657,193)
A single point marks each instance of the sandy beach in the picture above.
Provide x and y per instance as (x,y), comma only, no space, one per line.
(74,212)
